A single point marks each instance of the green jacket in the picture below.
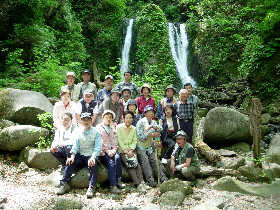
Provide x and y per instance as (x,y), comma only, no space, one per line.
(180,156)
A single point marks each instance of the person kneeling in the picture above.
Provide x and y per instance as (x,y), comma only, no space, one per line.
(184,161)
(109,155)
(86,147)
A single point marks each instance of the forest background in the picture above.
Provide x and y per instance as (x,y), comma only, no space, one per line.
(230,40)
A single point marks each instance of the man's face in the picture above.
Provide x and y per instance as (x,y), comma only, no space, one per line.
(189,88)
(127,77)
(132,108)
(180,141)
(70,80)
(169,93)
(184,96)
(107,119)
(86,123)
(109,83)
(86,77)
(126,94)
(66,121)
(88,98)
(115,97)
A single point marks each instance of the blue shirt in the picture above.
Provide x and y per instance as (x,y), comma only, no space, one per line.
(160,111)
(102,94)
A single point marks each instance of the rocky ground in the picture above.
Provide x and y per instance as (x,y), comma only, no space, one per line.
(24,189)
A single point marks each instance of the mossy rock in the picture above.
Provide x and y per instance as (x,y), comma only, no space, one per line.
(172,198)
(240,147)
(176,185)
(68,204)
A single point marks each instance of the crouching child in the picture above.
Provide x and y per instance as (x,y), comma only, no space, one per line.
(87,145)
(184,162)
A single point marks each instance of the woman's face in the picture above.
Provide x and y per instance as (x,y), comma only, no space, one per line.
(65,98)
(132,108)
(128,119)
(66,121)
(86,123)
(115,97)
(150,114)
(145,92)
(168,111)
(107,119)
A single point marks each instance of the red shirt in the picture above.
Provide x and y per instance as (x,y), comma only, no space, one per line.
(142,103)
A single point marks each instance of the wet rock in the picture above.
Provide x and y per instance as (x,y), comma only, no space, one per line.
(176,185)
(172,198)
(240,147)
(17,137)
(227,153)
(226,126)
(273,153)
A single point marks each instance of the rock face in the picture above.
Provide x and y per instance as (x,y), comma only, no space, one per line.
(240,147)
(22,106)
(40,159)
(273,153)
(232,185)
(17,137)
(172,198)
(6,123)
(226,126)
(176,185)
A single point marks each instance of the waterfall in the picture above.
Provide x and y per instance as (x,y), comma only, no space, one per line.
(178,41)
(126,48)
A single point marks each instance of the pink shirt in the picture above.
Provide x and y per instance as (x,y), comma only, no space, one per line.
(142,102)
(108,136)
(58,111)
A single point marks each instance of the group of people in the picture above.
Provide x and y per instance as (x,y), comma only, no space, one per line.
(121,125)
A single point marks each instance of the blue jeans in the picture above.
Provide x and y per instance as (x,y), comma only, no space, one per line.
(62,154)
(80,162)
(114,167)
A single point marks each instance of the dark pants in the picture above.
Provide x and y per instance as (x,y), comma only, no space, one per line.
(80,162)
(134,173)
(187,126)
(114,167)
(62,154)
(168,145)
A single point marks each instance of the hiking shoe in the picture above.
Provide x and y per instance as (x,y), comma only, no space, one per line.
(64,188)
(152,182)
(90,192)
(115,190)
(163,179)
(120,184)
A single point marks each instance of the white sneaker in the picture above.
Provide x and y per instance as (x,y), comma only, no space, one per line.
(164,161)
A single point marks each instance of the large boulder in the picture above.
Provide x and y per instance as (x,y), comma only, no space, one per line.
(17,137)
(22,106)
(172,198)
(240,147)
(273,153)
(226,126)
(232,185)
(40,159)
(6,123)
(176,185)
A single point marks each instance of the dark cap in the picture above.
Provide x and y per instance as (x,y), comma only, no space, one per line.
(115,90)
(86,71)
(148,108)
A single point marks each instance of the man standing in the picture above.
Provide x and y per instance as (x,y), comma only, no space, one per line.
(73,89)
(193,98)
(86,84)
(106,91)
(127,83)
(184,109)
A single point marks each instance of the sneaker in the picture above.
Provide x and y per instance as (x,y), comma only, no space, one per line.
(164,161)
(64,188)
(90,192)
(120,184)
(163,179)
(152,182)
(115,190)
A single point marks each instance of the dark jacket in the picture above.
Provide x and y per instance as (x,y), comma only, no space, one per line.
(164,132)
(90,108)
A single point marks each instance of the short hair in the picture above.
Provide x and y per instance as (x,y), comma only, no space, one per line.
(68,114)
(183,91)
(188,84)
(128,112)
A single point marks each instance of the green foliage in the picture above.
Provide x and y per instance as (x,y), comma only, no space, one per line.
(46,122)
(66,204)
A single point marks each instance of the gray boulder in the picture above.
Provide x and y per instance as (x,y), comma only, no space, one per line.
(172,198)
(232,163)
(6,123)
(22,106)
(176,185)
(240,147)
(17,137)
(40,159)
(230,184)
(273,153)
(226,126)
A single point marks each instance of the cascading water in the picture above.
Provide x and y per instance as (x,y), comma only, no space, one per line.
(178,41)
(126,48)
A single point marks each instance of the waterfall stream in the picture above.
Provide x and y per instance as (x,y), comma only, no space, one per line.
(178,41)
(126,48)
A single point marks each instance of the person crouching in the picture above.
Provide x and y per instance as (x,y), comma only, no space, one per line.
(86,147)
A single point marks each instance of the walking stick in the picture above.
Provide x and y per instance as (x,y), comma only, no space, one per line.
(157,162)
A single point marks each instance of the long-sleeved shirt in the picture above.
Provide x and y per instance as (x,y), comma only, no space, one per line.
(143,132)
(89,86)
(142,102)
(184,111)
(58,111)
(87,143)
(161,105)
(127,141)
(133,87)
(74,91)
(102,95)
(63,137)
(109,137)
